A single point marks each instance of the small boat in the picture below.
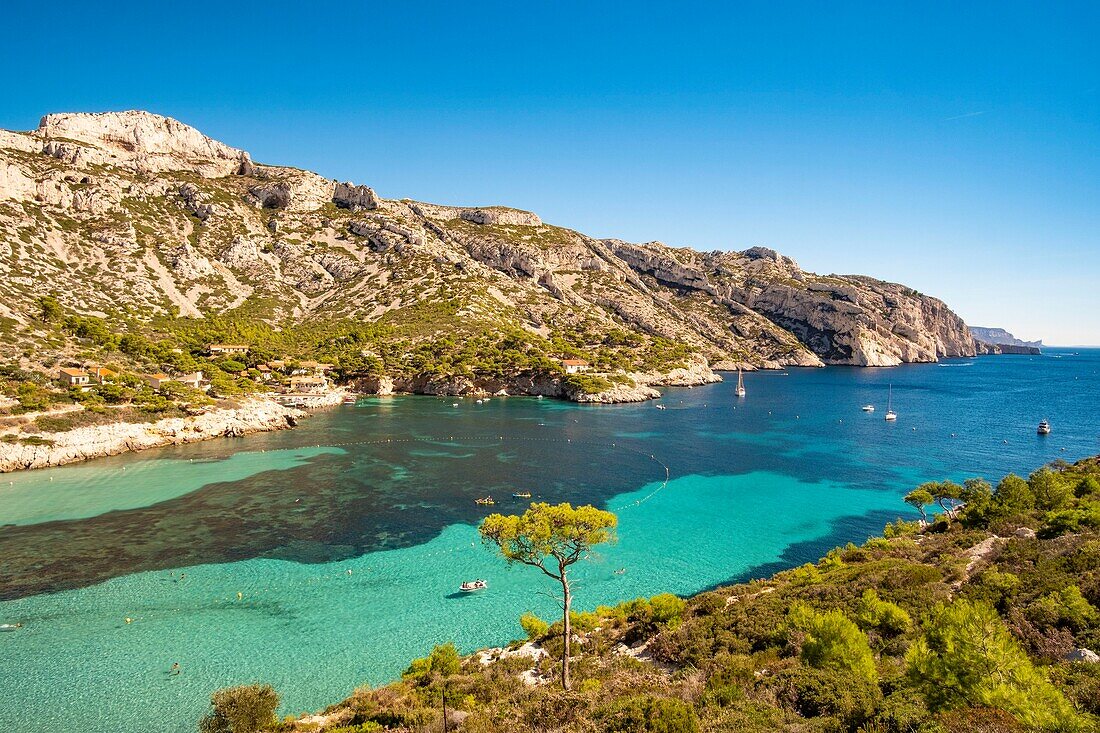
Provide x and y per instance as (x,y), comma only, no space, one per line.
(521,494)
(470,586)
(740,383)
(480,401)
(485,500)
(620,571)
(868,408)
(1044,427)
(891,416)
(10,627)
(351,400)
(660,407)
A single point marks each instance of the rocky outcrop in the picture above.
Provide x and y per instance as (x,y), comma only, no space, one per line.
(501,215)
(81,444)
(291,190)
(197,202)
(658,261)
(619,393)
(142,140)
(356,198)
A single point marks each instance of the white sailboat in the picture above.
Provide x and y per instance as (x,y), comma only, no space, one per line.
(740,383)
(890,414)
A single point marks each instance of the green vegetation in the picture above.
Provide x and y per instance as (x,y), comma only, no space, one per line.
(551,538)
(244,709)
(915,633)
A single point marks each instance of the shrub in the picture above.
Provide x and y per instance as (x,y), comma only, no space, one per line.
(1066,607)
(667,609)
(533,626)
(243,709)
(807,574)
(1013,496)
(882,616)
(832,641)
(1071,521)
(1049,490)
(968,658)
(900,528)
(839,693)
(443,661)
(651,714)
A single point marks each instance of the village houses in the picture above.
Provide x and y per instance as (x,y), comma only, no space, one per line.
(227,348)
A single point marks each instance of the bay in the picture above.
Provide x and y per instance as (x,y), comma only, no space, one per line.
(347,538)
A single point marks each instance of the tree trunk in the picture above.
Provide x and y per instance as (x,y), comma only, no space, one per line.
(567,601)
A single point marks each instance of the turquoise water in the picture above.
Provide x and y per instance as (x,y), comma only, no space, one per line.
(385,490)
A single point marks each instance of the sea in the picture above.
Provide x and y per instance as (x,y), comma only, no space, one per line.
(327,557)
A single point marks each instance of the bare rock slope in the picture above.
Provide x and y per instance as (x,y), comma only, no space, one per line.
(133,215)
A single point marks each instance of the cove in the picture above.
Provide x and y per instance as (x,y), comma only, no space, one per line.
(386,490)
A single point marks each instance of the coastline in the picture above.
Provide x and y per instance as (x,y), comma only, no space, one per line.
(262,414)
(537,384)
(253,415)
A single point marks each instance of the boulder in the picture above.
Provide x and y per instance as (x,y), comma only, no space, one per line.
(1083,655)
(356,198)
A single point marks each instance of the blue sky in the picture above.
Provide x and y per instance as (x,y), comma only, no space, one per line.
(954,147)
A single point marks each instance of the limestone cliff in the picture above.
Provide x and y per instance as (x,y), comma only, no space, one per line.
(134,216)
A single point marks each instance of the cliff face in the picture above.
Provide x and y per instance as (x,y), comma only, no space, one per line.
(131,215)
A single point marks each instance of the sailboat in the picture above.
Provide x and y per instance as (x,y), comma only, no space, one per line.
(890,414)
(740,383)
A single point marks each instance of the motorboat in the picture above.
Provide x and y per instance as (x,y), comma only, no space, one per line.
(470,586)
(485,500)
(1044,427)
(868,408)
(521,494)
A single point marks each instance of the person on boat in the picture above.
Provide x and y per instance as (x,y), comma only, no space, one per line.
(175,668)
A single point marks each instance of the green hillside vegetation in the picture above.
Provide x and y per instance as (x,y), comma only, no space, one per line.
(471,348)
(962,625)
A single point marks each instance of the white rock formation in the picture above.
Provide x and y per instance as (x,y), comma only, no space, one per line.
(356,198)
(142,140)
(501,215)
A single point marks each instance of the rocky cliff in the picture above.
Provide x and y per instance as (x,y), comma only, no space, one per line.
(136,217)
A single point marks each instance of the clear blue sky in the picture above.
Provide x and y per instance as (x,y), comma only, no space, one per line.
(954,146)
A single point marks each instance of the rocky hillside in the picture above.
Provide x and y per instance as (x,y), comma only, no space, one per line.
(147,223)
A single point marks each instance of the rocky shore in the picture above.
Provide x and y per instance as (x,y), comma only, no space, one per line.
(638,387)
(247,416)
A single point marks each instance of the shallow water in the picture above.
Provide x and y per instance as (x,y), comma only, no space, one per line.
(386,491)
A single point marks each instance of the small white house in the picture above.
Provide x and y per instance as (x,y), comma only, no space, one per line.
(574,366)
(74,377)
(193,380)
